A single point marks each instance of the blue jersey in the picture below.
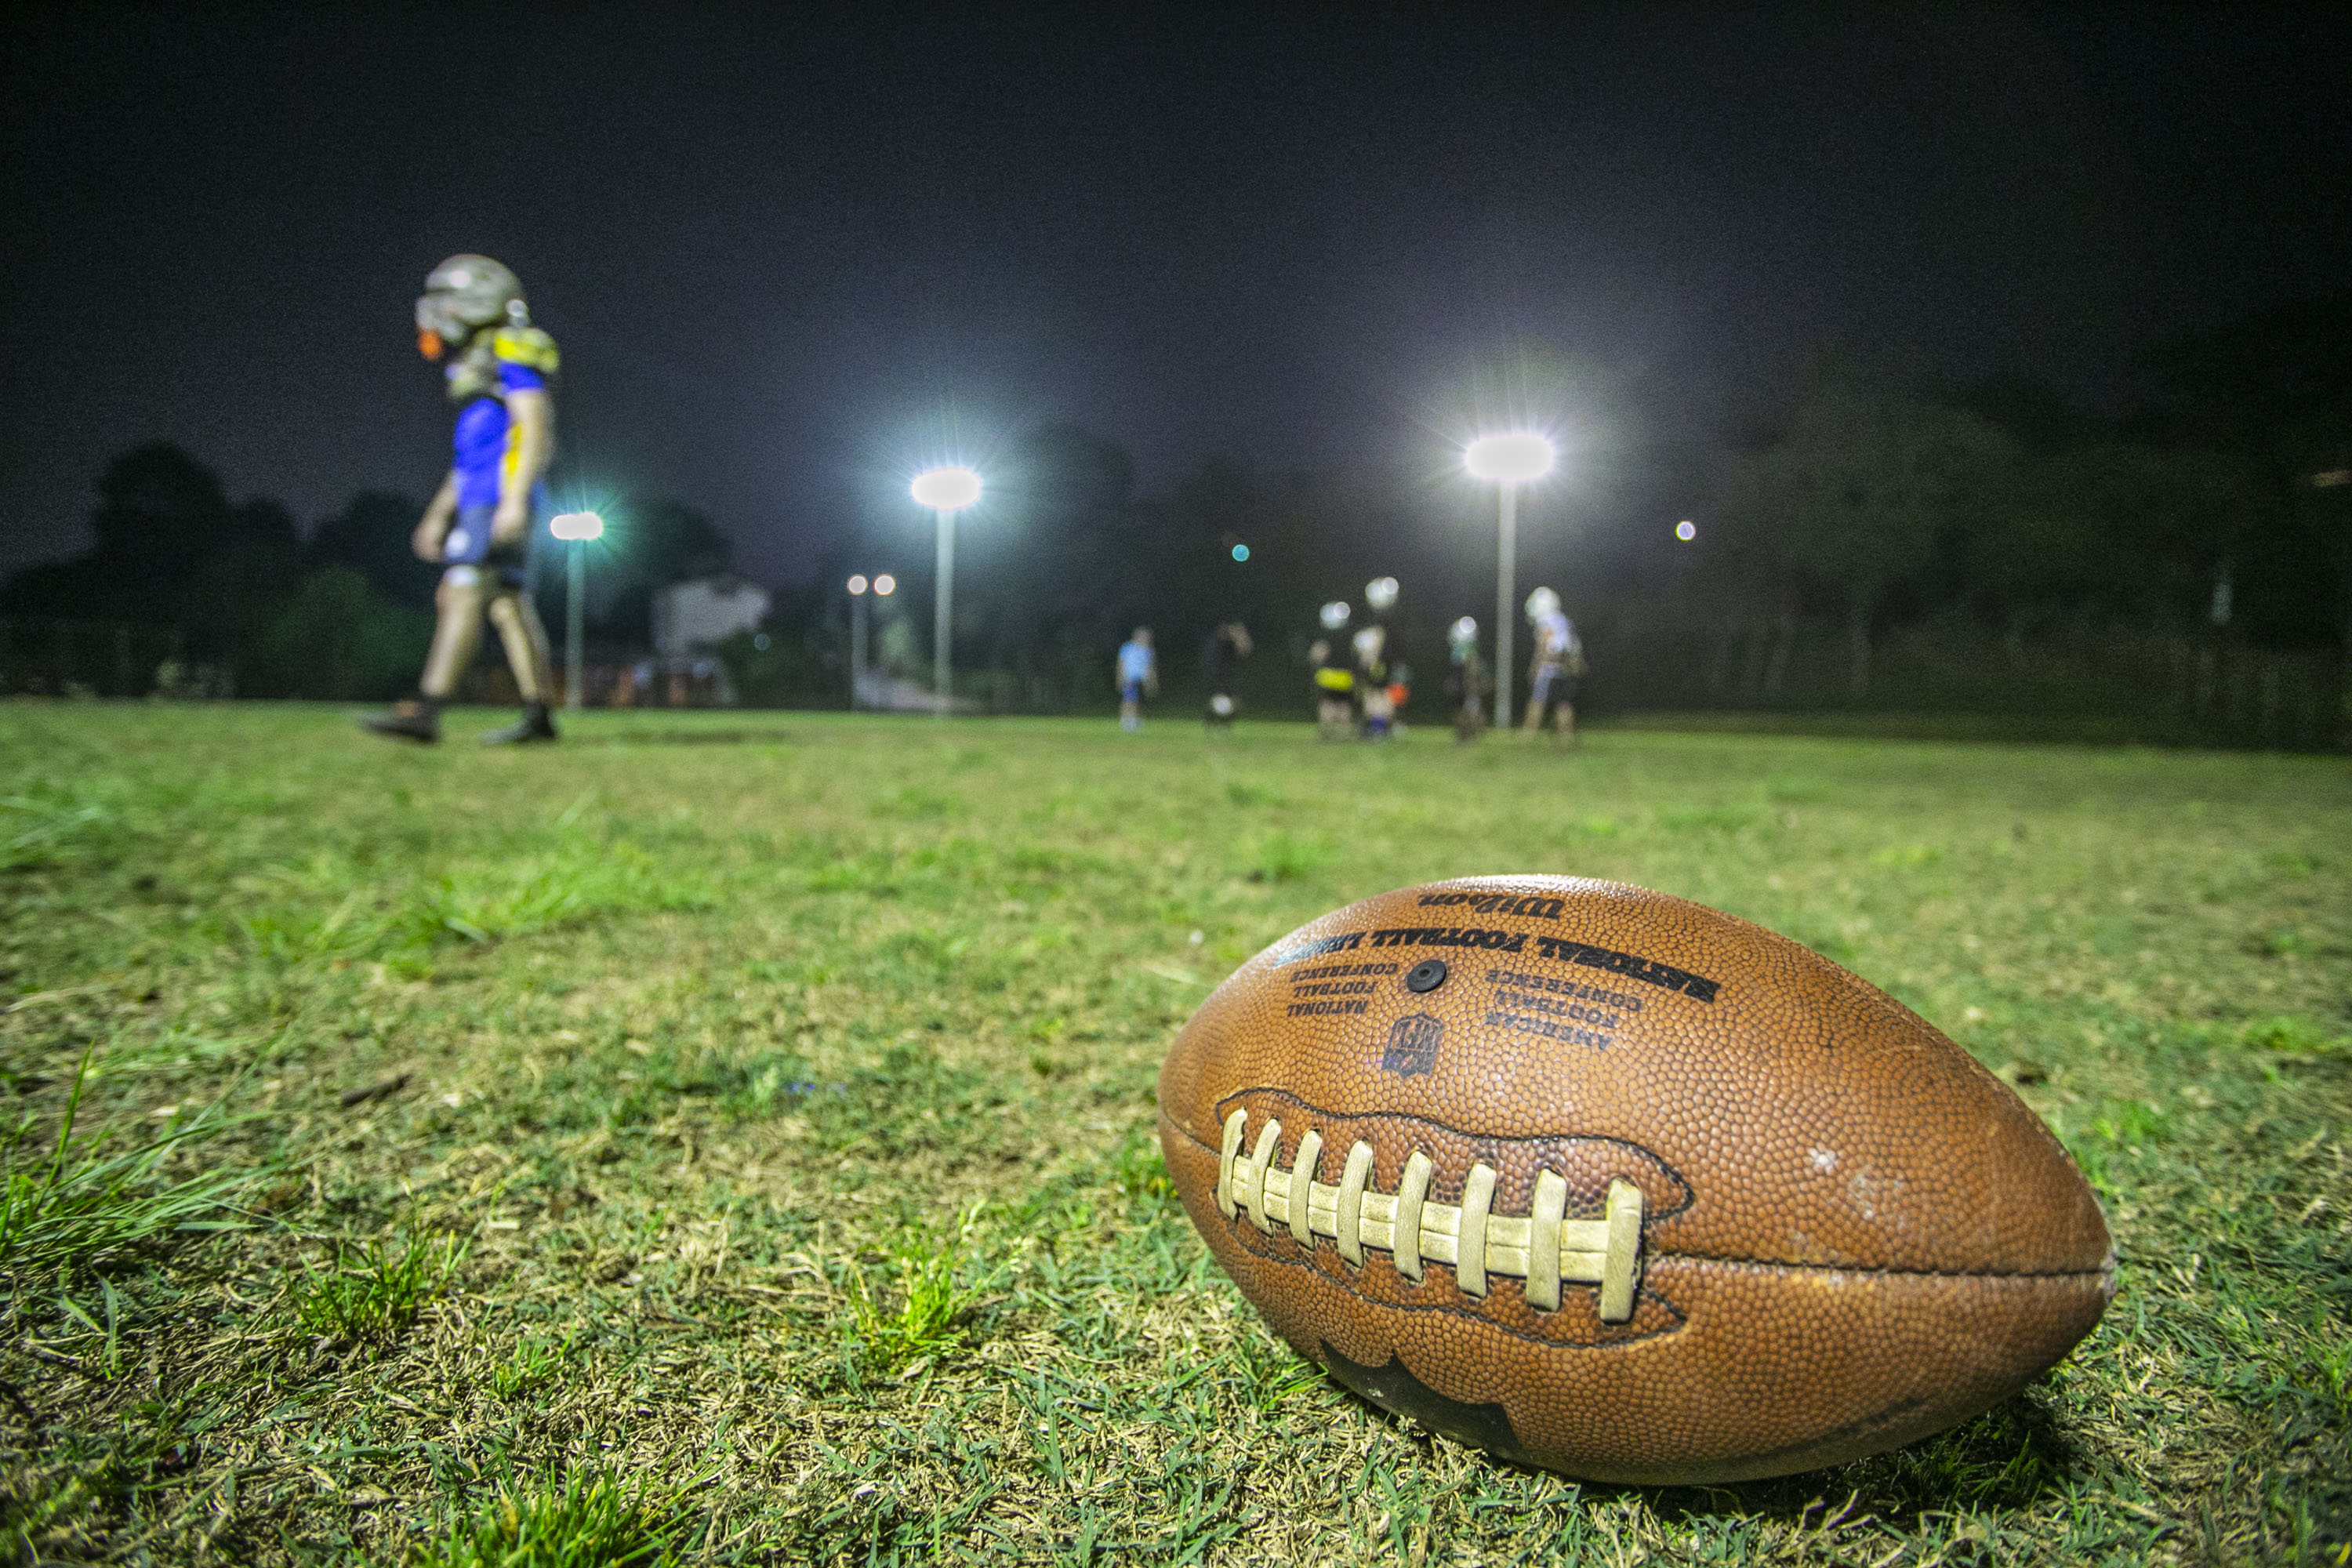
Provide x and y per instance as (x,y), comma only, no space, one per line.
(1134,663)
(483,447)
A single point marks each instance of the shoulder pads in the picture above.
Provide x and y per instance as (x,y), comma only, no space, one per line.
(527,346)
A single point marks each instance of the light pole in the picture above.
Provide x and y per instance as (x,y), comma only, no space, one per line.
(856,636)
(579,527)
(945,492)
(884,586)
(1510,461)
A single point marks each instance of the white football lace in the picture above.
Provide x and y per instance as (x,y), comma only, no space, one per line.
(1542,1248)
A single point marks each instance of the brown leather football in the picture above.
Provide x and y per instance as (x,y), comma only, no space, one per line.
(1615,1183)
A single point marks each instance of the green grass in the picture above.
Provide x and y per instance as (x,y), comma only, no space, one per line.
(728,1138)
(590,1519)
(67,1205)
(369,1292)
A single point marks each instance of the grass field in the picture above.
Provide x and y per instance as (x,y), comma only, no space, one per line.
(728,1135)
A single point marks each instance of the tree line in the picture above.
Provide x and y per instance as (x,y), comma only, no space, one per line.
(345,612)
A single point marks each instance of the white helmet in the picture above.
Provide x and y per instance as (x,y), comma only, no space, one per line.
(1541,603)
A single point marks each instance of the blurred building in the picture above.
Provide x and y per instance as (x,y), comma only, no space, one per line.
(690,619)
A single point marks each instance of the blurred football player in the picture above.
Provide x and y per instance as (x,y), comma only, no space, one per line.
(1226,645)
(500,373)
(1335,680)
(1554,667)
(1335,686)
(1466,685)
(1375,708)
(1139,677)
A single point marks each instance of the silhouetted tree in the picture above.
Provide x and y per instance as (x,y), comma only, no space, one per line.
(252,568)
(2133,531)
(337,638)
(160,515)
(372,535)
(2275,389)
(1860,488)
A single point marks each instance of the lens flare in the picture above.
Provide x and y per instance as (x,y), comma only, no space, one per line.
(1241,552)
(1684,532)
(885,585)
(856,584)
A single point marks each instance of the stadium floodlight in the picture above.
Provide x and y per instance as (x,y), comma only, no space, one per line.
(856,584)
(1509,460)
(945,491)
(885,585)
(1512,460)
(1686,531)
(1334,615)
(1381,593)
(578,528)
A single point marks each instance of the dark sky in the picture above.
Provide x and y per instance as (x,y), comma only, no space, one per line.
(788,256)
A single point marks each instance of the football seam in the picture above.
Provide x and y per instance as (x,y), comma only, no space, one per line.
(1891,1270)
(1733,1260)
(1486,1320)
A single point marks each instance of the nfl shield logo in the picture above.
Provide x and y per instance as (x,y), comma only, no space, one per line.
(1413,1045)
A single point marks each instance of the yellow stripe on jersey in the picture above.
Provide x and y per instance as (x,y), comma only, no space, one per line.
(527,346)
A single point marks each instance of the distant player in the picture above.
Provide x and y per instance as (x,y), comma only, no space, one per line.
(1227,645)
(1374,706)
(1554,667)
(1466,686)
(1334,687)
(1139,677)
(500,373)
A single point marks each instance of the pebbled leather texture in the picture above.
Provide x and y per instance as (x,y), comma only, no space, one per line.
(1851,1235)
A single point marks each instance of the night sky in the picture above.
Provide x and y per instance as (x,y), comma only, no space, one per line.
(789,257)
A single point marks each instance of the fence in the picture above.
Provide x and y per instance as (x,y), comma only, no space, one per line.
(2105,683)
(43,656)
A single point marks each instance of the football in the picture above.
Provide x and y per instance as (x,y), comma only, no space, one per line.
(1612,1183)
